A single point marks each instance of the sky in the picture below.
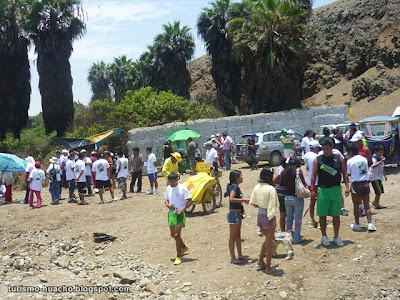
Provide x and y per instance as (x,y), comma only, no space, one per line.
(122,27)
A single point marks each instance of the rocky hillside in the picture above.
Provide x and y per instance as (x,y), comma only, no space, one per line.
(354,57)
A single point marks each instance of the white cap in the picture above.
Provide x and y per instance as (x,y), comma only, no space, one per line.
(314,144)
(290,131)
(83,151)
(357,137)
(212,137)
(64,151)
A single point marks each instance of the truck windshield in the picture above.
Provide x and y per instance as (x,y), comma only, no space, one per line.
(377,130)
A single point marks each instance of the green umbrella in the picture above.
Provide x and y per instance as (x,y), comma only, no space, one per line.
(183,135)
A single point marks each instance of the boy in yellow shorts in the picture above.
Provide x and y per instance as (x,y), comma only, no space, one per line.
(177,199)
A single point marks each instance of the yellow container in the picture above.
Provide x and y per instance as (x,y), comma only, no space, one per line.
(198,184)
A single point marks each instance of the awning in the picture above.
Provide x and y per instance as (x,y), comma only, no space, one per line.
(99,139)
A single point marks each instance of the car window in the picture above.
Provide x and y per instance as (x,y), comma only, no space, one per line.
(277,137)
(268,137)
(244,138)
(298,137)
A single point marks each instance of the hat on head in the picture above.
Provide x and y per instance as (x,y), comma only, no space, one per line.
(177,156)
(53,160)
(190,139)
(93,152)
(212,137)
(290,131)
(64,151)
(83,151)
(254,134)
(58,151)
(218,134)
(208,144)
(314,144)
(37,164)
(283,130)
(357,137)
(353,125)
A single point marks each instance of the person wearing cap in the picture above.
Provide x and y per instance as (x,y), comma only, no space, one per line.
(88,172)
(122,173)
(35,181)
(152,171)
(54,172)
(136,163)
(191,151)
(211,154)
(80,178)
(220,149)
(227,146)
(305,142)
(215,144)
(309,159)
(351,132)
(362,149)
(252,150)
(329,169)
(63,161)
(287,143)
(171,164)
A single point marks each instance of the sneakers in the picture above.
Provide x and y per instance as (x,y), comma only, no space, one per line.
(123,198)
(184,249)
(355,227)
(177,261)
(371,227)
(313,224)
(71,201)
(149,193)
(345,212)
(101,202)
(338,241)
(325,241)
(83,203)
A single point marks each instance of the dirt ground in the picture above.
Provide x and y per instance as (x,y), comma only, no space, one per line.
(367,267)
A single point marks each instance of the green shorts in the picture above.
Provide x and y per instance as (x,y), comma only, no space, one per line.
(175,220)
(329,201)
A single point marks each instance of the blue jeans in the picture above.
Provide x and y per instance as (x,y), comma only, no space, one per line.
(54,190)
(294,210)
(89,184)
(227,159)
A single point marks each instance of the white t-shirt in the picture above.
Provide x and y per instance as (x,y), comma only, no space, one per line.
(309,158)
(69,167)
(88,168)
(37,176)
(80,167)
(100,167)
(151,169)
(177,196)
(305,143)
(29,168)
(123,172)
(334,151)
(211,155)
(58,170)
(357,168)
(376,173)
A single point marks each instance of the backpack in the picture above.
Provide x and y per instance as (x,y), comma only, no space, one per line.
(53,174)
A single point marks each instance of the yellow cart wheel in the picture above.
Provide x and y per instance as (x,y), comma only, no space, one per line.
(218,194)
(208,202)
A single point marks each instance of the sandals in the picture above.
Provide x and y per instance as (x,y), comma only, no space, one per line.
(244,258)
(238,262)
(378,206)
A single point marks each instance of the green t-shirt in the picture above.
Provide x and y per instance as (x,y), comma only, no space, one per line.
(287,139)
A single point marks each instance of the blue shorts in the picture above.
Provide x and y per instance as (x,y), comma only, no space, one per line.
(234,217)
(152,176)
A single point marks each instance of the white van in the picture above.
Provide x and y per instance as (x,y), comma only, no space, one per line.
(396,113)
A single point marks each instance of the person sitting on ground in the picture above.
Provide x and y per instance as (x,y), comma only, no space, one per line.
(265,198)
(235,216)
(378,173)
(171,165)
(357,168)
(328,168)
(177,200)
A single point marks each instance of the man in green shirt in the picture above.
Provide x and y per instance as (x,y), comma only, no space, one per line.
(287,143)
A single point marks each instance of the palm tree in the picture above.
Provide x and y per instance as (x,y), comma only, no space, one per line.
(99,81)
(120,75)
(15,87)
(54,25)
(172,50)
(144,69)
(270,44)
(225,69)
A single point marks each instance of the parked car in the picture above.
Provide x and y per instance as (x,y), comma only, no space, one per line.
(343,126)
(270,147)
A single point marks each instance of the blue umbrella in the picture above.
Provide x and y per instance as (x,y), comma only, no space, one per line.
(11,163)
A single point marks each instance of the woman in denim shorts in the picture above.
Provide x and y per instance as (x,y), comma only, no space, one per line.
(235,215)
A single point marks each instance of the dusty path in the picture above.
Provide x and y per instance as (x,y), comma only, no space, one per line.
(366,267)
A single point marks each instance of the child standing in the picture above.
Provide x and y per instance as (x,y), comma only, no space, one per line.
(265,198)
(177,199)
(377,171)
(35,179)
(235,216)
(357,169)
